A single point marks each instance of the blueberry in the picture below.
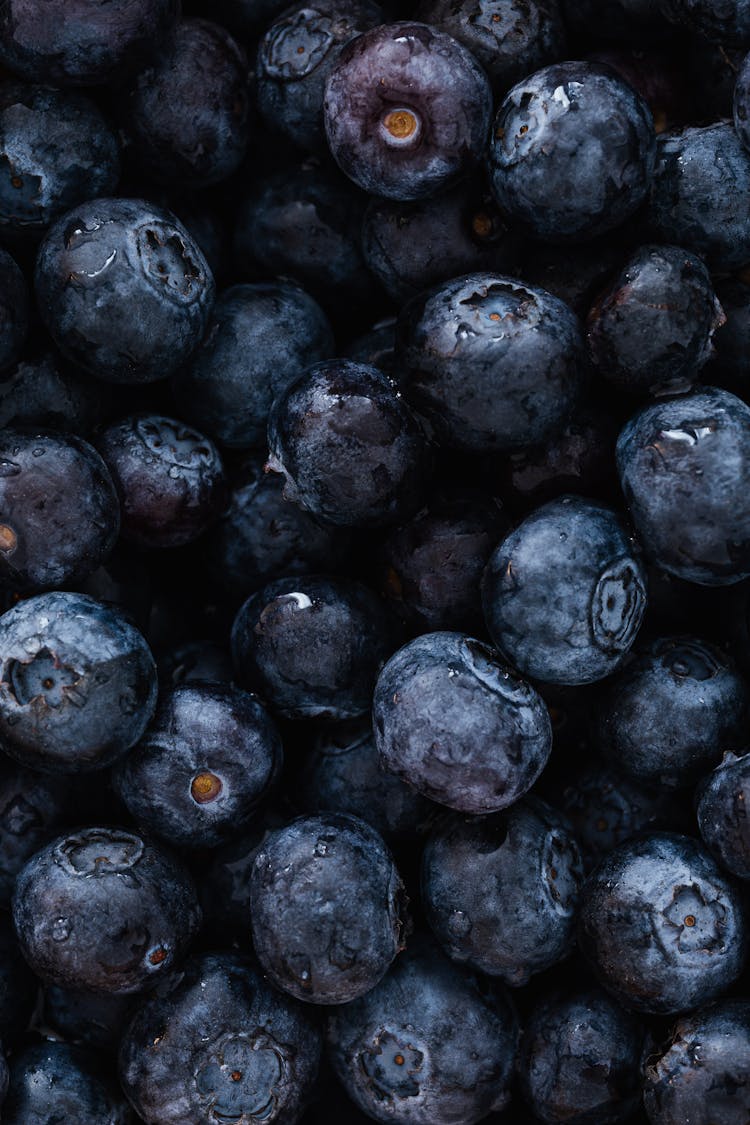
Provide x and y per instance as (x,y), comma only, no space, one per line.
(59,515)
(660,78)
(195,660)
(572,151)
(564,593)
(14,312)
(42,392)
(216,1043)
(495,365)
(456,724)
(722,816)
(54,1081)
(86,1019)
(33,808)
(663,927)
(430,1045)
(123,289)
(259,339)
(376,347)
(350,449)
(500,892)
(691,515)
(728,22)
(575,274)
(223,880)
(407,109)
(103,910)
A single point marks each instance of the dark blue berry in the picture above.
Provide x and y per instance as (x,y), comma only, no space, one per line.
(723,800)
(56,1082)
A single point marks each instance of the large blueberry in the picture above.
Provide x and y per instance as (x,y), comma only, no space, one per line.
(723,800)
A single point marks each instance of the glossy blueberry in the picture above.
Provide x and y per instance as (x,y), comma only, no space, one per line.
(691,515)
(407,109)
(259,339)
(312,646)
(80,42)
(216,1043)
(102,909)
(402,1059)
(727,22)
(700,195)
(295,56)
(33,809)
(495,365)
(580,1060)
(723,798)
(18,986)
(327,908)
(14,311)
(123,289)
(86,1019)
(59,514)
(500,892)
(458,725)
(42,392)
(564,593)
(208,759)
(669,716)
(651,331)
(169,478)
(350,449)
(663,927)
(56,1082)
(572,151)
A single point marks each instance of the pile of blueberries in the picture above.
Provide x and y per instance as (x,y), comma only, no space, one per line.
(375,562)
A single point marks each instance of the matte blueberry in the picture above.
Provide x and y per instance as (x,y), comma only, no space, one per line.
(14,311)
(56,1082)
(722,817)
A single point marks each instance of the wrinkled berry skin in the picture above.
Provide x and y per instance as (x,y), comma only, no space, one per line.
(208,759)
(722,818)
(33,810)
(41,392)
(495,365)
(186,114)
(102,909)
(456,724)
(580,1060)
(652,329)
(56,150)
(684,467)
(401,1059)
(56,1082)
(259,339)
(350,449)
(725,22)
(123,289)
(312,646)
(295,57)
(700,194)
(207,1023)
(169,477)
(702,1073)
(564,593)
(572,151)
(500,892)
(327,908)
(662,926)
(14,311)
(669,716)
(407,109)
(59,512)
(80,42)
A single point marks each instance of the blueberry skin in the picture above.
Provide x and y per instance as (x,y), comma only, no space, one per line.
(651,331)
(195,660)
(41,392)
(572,151)
(500,892)
(723,23)
(80,42)
(14,311)
(214,1042)
(406,110)
(104,910)
(56,1082)
(259,339)
(662,926)
(741,103)
(208,759)
(493,364)
(33,809)
(312,646)
(123,289)
(684,466)
(223,881)
(401,1060)
(187,113)
(295,56)
(722,819)
(57,149)
(670,714)
(169,477)
(564,593)
(59,513)
(350,449)
(86,1019)
(580,1060)
(459,726)
(700,194)
(327,908)
(702,1074)
(376,347)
